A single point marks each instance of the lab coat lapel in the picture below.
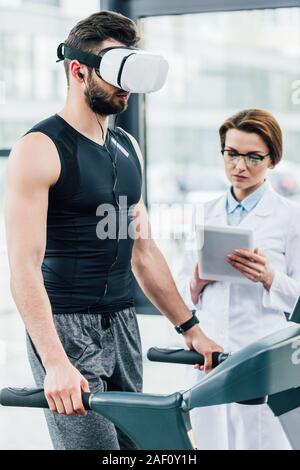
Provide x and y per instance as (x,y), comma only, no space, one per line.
(217,214)
(264,208)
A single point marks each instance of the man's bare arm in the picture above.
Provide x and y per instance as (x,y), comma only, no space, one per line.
(153,275)
(33,168)
(153,272)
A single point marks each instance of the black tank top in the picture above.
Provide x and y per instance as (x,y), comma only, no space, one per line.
(83,271)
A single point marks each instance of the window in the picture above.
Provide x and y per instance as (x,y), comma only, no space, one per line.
(33,85)
(220,63)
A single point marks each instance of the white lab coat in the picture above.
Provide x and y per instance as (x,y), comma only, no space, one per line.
(235,315)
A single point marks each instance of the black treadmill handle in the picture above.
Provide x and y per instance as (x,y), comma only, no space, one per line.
(31,398)
(183,356)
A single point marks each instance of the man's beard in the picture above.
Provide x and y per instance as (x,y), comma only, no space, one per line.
(101,102)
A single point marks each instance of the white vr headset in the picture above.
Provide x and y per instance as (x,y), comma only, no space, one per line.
(127,68)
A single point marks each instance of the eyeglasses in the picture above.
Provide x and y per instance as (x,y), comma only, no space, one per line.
(252,159)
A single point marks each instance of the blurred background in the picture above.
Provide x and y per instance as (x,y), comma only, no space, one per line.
(224,56)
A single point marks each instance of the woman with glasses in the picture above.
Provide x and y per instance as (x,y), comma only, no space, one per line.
(234,314)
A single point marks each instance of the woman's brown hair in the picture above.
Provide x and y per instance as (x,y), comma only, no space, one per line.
(259,122)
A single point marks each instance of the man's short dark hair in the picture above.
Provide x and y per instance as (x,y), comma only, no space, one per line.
(88,33)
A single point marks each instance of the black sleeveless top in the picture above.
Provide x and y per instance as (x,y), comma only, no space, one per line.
(87,263)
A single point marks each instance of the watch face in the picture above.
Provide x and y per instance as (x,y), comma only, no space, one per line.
(178,329)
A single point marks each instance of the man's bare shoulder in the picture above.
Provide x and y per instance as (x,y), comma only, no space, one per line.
(36,156)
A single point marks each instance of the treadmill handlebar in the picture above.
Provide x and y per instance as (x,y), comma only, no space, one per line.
(31,398)
(183,356)
(35,397)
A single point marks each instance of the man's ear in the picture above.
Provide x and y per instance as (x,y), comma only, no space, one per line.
(75,69)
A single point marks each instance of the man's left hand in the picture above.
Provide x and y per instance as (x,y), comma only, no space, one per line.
(196,340)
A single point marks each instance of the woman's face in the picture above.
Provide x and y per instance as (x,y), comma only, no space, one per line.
(244,175)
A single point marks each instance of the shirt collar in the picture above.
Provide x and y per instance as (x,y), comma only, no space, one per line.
(249,202)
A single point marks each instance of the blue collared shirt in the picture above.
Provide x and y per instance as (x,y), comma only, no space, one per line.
(236,211)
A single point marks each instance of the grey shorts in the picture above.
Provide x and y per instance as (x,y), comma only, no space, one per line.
(106,349)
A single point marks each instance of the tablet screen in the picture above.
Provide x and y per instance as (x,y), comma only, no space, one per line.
(214,243)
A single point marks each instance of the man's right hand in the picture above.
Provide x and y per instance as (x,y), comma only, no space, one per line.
(197,285)
(63,386)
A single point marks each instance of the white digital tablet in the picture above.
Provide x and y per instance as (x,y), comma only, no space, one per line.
(214,243)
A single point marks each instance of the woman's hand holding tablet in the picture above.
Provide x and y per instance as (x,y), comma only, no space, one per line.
(214,244)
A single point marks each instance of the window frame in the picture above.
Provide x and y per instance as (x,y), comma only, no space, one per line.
(133,120)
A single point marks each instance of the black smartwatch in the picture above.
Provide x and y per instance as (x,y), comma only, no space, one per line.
(188,324)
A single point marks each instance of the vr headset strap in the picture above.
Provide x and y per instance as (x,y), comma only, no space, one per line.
(65,52)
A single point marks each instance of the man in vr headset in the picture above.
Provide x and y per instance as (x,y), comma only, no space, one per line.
(71,284)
